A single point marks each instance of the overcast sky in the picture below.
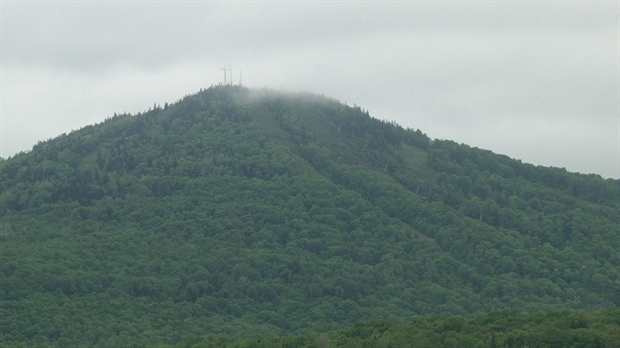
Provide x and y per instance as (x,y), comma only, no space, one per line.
(537,81)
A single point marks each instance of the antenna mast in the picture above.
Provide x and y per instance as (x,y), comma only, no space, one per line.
(228,68)
(224,69)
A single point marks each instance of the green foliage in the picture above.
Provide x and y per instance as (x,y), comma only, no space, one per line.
(256,214)
(498,329)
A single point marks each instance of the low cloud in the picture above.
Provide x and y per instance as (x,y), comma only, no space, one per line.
(464,71)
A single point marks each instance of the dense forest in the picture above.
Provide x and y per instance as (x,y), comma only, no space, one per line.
(254,213)
(560,329)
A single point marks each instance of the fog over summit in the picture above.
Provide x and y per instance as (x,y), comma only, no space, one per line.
(535,81)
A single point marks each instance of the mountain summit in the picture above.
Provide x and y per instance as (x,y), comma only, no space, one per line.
(257,213)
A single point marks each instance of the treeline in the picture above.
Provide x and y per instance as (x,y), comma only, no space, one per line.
(499,329)
(461,160)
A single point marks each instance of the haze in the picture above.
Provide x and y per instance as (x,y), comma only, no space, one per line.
(537,81)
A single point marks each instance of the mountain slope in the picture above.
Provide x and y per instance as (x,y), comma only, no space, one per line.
(256,213)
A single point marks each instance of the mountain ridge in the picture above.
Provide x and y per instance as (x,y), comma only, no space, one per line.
(251,212)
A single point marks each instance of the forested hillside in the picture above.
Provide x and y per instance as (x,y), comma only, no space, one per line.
(252,213)
(498,329)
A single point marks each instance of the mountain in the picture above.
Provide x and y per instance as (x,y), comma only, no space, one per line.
(255,213)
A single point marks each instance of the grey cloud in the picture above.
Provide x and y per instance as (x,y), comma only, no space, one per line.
(454,70)
(79,35)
